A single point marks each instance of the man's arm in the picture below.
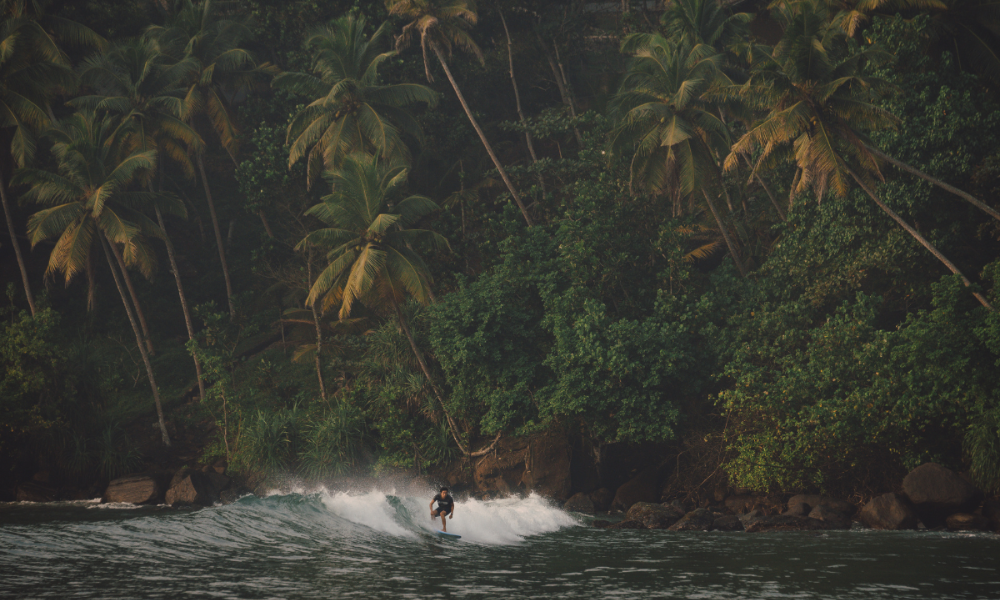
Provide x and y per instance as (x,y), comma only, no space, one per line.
(451,515)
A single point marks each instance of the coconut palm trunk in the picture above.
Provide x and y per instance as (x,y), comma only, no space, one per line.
(437,393)
(17,246)
(319,333)
(138,339)
(218,236)
(725,234)
(482,136)
(923,241)
(184,305)
(135,301)
(517,102)
(770,194)
(944,186)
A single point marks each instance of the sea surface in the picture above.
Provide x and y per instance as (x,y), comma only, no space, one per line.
(323,544)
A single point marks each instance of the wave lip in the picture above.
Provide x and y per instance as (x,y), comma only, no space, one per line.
(491,522)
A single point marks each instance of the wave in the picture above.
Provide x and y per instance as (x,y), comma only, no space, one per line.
(502,521)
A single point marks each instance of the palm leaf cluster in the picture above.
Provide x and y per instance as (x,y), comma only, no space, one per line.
(351,110)
(373,252)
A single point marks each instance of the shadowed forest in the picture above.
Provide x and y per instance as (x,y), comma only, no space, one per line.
(358,237)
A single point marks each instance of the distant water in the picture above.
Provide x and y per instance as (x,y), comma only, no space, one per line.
(375,545)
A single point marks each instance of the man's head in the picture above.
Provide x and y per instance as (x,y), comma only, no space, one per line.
(444,492)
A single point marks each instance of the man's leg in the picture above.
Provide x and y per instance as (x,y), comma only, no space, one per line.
(444,526)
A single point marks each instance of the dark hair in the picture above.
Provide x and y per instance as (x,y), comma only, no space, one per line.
(444,489)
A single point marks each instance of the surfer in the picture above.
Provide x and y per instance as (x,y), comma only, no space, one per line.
(445,506)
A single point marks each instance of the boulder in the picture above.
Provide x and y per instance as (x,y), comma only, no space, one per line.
(889,511)
(741,504)
(602,499)
(991,510)
(813,500)
(547,465)
(728,523)
(35,492)
(967,522)
(786,523)
(134,489)
(798,510)
(627,525)
(653,516)
(699,519)
(831,516)
(937,492)
(195,488)
(644,487)
(580,503)
(601,524)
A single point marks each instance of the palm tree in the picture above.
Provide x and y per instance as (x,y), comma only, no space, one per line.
(219,68)
(440,26)
(703,22)
(32,66)
(350,110)
(371,249)
(673,133)
(90,203)
(813,94)
(136,83)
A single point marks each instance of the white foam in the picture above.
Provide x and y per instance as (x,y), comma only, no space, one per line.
(504,521)
(371,510)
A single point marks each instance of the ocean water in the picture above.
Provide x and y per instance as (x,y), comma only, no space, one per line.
(323,544)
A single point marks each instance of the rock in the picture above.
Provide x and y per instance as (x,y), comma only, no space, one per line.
(195,488)
(813,500)
(547,465)
(134,489)
(798,510)
(889,511)
(740,504)
(937,492)
(627,525)
(644,487)
(786,523)
(991,510)
(828,514)
(601,524)
(220,466)
(35,492)
(750,517)
(539,463)
(653,516)
(580,503)
(233,494)
(967,522)
(602,499)
(728,523)
(42,477)
(699,519)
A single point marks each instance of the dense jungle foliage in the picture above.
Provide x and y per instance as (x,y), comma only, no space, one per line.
(357,236)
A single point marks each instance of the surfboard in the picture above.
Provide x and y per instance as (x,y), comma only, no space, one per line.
(445,534)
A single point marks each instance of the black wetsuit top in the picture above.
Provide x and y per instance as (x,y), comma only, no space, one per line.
(445,504)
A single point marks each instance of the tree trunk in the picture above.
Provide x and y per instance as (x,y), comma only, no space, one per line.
(517,101)
(916,235)
(482,137)
(725,234)
(17,247)
(319,333)
(557,75)
(774,201)
(944,186)
(264,222)
(218,237)
(138,339)
(795,184)
(184,305)
(135,300)
(569,94)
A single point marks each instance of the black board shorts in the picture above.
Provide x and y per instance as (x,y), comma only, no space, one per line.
(442,511)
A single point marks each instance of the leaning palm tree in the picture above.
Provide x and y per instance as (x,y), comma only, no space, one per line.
(672,132)
(371,249)
(440,26)
(350,110)
(138,84)
(33,64)
(814,96)
(198,35)
(91,204)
